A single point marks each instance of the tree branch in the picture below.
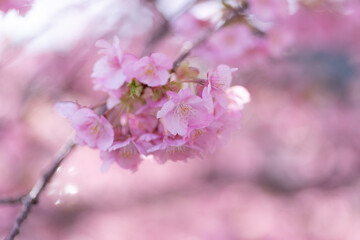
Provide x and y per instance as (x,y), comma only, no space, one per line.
(187,52)
(165,27)
(32,197)
(234,15)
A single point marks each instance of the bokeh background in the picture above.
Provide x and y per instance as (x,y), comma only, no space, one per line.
(290,173)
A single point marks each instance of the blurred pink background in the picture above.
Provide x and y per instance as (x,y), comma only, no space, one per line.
(291,172)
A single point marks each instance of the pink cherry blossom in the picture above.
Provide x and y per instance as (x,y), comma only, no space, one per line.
(174,149)
(218,82)
(225,120)
(182,119)
(108,71)
(142,123)
(152,71)
(204,138)
(184,111)
(92,130)
(66,109)
(125,153)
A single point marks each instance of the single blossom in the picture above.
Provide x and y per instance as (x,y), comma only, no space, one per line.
(91,130)
(125,153)
(184,111)
(152,71)
(67,109)
(108,72)
(237,96)
(218,82)
(205,139)
(174,149)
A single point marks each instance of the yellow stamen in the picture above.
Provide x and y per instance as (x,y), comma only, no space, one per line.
(197,133)
(94,129)
(184,111)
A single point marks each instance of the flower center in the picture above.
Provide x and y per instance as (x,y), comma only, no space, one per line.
(94,128)
(150,71)
(114,62)
(184,111)
(218,82)
(197,133)
(128,151)
(175,150)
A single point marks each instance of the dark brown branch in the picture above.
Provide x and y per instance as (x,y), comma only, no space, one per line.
(32,197)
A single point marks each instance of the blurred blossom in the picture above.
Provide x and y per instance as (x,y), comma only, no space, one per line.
(190,27)
(269,10)
(22,6)
(224,45)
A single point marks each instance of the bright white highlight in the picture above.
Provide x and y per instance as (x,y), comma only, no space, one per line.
(71,189)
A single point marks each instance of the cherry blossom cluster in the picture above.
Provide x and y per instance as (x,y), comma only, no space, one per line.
(155,109)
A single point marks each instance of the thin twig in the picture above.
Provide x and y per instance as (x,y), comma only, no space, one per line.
(234,15)
(32,198)
(13,200)
(165,27)
(202,39)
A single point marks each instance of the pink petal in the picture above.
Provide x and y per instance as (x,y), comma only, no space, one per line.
(163,76)
(106,134)
(119,144)
(141,63)
(221,100)
(175,124)
(184,93)
(209,104)
(66,109)
(161,60)
(116,80)
(148,137)
(202,118)
(158,147)
(107,161)
(166,108)
(83,115)
(172,95)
